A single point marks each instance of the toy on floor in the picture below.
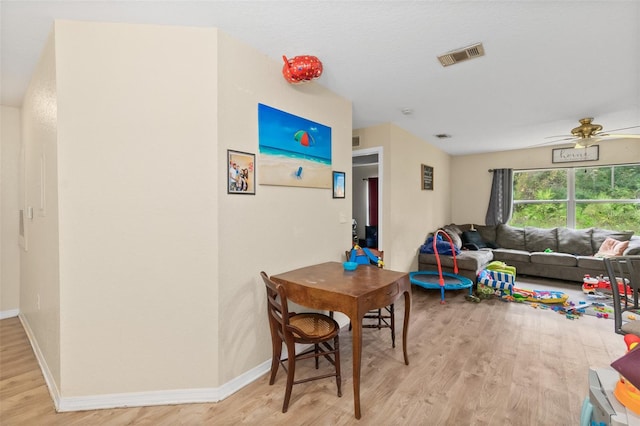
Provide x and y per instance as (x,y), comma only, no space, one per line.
(591,285)
(501,278)
(496,283)
(540,296)
(443,280)
(627,390)
(498,266)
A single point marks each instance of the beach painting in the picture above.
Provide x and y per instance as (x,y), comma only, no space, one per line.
(293,151)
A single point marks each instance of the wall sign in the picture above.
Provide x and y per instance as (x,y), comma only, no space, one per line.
(569,155)
(427,177)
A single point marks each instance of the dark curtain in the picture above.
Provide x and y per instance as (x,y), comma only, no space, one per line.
(373,201)
(501,201)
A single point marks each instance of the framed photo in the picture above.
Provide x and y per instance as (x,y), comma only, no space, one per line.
(426,176)
(241,172)
(569,155)
(339,184)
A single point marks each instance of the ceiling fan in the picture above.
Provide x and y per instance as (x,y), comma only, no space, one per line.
(588,133)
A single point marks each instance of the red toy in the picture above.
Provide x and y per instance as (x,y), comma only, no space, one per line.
(301,68)
(591,285)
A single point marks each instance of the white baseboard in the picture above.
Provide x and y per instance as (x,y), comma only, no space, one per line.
(169,397)
(139,399)
(48,377)
(9,313)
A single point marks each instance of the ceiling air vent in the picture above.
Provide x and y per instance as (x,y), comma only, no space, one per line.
(355,141)
(455,56)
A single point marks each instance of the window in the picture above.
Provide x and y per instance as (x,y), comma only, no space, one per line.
(605,197)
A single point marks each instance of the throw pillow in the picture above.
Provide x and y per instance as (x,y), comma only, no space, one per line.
(611,248)
(472,240)
(599,235)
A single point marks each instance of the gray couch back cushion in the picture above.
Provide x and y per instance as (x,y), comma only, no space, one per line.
(575,241)
(540,239)
(598,236)
(487,232)
(510,237)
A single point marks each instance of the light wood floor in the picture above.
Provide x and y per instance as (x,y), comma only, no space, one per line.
(492,363)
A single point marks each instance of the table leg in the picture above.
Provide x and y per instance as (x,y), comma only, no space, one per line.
(357,357)
(405,329)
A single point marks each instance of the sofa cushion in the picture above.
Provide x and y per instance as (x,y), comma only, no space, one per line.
(540,239)
(510,237)
(506,255)
(590,262)
(612,247)
(487,232)
(575,241)
(599,235)
(560,259)
(467,259)
(454,233)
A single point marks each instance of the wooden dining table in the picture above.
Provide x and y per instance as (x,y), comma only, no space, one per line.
(328,286)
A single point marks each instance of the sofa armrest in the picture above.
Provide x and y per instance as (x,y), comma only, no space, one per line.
(633,248)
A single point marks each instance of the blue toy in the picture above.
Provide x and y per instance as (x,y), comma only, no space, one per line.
(442,280)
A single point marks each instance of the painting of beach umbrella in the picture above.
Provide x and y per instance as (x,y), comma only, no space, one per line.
(293,151)
(304,138)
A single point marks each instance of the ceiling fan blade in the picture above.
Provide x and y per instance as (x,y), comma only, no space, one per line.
(564,139)
(560,136)
(617,136)
(624,128)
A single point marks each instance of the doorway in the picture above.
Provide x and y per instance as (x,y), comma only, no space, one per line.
(368,196)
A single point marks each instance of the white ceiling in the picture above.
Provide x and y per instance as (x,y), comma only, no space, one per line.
(547,63)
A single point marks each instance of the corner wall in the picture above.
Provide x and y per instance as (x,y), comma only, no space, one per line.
(152,289)
(408,212)
(279,228)
(137,138)
(39,265)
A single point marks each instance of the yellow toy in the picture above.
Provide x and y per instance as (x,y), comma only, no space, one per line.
(498,266)
(625,391)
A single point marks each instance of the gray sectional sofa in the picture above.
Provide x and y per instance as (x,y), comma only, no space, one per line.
(560,253)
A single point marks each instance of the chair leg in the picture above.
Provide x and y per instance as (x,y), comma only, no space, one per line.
(275,361)
(336,346)
(393,326)
(317,352)
(291,371)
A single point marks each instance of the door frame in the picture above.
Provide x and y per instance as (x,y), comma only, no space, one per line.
(369,151)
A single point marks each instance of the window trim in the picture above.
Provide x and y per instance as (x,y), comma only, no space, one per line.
(571,202)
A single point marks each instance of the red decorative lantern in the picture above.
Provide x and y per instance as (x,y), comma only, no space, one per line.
(301,68)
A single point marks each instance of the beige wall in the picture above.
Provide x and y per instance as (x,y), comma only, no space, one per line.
(472,182)
(279,228)
(408,212)
(40,302)
(9,215)
(138,185)
(153,282)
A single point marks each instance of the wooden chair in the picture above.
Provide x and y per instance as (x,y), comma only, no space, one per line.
(379,318)
(307,329)
(625,269)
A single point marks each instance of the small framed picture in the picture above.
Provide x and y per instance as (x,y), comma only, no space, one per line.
(241,175)
(427,177)
(339,184)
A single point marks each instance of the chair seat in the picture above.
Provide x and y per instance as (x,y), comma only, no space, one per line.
(316,326)
(288,328)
